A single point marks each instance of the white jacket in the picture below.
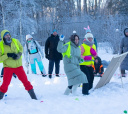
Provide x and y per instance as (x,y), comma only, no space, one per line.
(30,47)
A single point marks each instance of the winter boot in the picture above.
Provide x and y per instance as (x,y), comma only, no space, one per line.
(57,75)
(44,75)
(1,95)
(67,91)
(74,89)
(32,94)
(50,76)
(123,73)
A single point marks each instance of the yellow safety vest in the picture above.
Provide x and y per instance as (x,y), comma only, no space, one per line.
(87,53)
(68,52)
(2,47)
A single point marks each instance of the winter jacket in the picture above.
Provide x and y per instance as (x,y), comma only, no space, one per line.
(33,50)
(86,52)
(71,64)
(51,48)
(123,49)
(8,61)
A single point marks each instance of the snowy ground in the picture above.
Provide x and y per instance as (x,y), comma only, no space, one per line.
(110,99)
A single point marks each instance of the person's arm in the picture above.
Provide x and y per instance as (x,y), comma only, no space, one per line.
(26,54)
(61,48)
(121,46)
(40,49)
(47,47)
(3,57)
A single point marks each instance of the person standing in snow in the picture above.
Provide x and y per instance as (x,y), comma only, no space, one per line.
(88,53)
(71,59)
(34,51)
(10,54)
(52,54)
(123,49)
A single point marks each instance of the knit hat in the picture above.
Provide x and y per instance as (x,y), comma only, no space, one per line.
(87,30)
(54,30)
(28,36)
(6,34)
(88,35)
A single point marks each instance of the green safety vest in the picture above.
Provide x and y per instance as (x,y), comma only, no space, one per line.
(68,52)
(2,46)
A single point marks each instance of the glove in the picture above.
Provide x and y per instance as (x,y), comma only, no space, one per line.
(62,37)
(47,56)
(87,58)
(93,52)
(27,64)
(18,55)
(13,55)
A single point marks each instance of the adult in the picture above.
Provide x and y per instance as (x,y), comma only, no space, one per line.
(72,58)
(123,49)
(10,55)
(88,53)
(33,54)
(52,54)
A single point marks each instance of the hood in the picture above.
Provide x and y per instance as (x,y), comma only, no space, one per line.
(124,31)
(2,33)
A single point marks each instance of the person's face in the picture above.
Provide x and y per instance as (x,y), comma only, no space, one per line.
(7,37)
(126,33)
(90,39)
(76,40)
(96,61)
(29,39)
(54,33)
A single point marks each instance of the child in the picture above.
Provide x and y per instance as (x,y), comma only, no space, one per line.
(98,67)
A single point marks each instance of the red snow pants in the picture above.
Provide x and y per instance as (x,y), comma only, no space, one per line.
(19,71)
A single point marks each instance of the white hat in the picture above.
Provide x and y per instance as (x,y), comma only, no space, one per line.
(28,36)
(88,35)
(74,32)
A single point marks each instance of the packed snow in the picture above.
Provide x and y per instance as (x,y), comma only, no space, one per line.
(110,99)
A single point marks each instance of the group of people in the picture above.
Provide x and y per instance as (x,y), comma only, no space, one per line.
(78,60)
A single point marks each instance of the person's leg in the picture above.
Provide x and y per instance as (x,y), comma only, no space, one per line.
(57,67)
(85,86)
(6,79)
(91,77)
(33,66)
(2,72)
(50,69)
(41,67)
(68,90)
(23,78)
(123,73)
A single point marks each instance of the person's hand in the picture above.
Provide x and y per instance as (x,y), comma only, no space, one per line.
(18,55)
(13,55)
(62,37)
(93,52)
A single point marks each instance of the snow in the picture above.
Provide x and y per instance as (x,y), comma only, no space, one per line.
(110,99)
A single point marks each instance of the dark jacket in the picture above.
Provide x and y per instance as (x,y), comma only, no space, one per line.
(98,67)
(51,48)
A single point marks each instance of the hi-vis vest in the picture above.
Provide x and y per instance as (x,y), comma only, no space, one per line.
(68,52)
(2,47)
(87,53)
